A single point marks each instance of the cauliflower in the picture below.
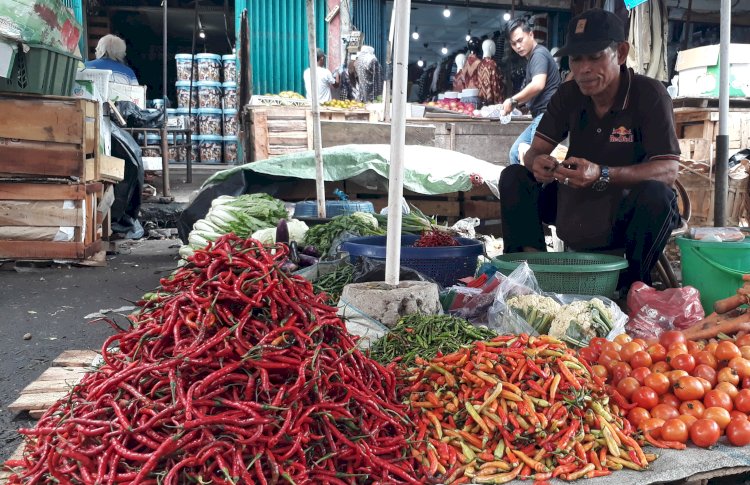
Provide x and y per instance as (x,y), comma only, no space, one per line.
(537,310)
(580,321)
(367,218)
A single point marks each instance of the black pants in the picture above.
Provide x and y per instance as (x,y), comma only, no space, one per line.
(642,226)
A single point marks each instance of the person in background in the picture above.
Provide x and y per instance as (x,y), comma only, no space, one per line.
(110,55)
(346,76)
(541,82)
(325,79)
(614,191)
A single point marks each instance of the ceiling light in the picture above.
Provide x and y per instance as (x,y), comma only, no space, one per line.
(202,34)
(468,36)
(415,34)
(506,16)
(444,50)
(420,62)
(446,12)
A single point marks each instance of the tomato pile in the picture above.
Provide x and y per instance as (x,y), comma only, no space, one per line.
(676,390)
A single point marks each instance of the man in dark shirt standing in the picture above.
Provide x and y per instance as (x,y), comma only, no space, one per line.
(541,82)
(614,190)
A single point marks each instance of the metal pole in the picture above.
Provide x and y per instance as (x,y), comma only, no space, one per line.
(245,78)
(317,142)
(388,62)
(398,139)
(164,142)
(722,139)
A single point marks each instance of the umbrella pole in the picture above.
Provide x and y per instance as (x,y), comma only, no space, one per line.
(398,139)
(722,139)
(317,143)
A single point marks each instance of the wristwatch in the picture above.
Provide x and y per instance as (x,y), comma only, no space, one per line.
(513,102)
(603,181)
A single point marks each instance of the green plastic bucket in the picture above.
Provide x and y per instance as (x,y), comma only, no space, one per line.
(714,268)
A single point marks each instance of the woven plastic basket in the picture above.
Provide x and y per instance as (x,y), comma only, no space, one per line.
(445,265)
(568,272)
(309,208)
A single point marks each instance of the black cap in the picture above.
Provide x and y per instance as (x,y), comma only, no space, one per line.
(320,53)
(592,31)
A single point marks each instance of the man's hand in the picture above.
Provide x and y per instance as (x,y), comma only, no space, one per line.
(544,167)
(577,172)
(507,107)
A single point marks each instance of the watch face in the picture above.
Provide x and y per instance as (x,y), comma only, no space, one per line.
(600,185)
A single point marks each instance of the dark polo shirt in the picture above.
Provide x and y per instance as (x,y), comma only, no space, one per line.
(638,128)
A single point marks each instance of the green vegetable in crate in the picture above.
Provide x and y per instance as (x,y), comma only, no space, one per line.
(323,236)
(537,310)
(424,336)
(582,320)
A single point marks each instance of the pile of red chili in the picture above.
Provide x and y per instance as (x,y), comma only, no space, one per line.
(234,372)
(435,238)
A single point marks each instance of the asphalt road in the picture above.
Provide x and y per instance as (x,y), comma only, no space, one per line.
(50,303)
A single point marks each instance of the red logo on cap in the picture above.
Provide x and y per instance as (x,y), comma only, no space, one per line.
(581,26)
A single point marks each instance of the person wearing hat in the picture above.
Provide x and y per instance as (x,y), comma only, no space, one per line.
(613,193)
(325,79)
(541,81)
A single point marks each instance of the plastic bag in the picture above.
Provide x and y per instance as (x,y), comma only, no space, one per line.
(368,269)
(717,234)
(136,117)
(523,282)
(472,303)
(653,312)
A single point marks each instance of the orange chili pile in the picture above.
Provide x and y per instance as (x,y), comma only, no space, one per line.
(234,372)
(516,407)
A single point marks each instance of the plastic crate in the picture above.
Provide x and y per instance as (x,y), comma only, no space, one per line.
(309,208)
(568,272)
(41,70)
(446,265)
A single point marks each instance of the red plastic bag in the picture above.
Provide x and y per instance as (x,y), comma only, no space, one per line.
(652,312)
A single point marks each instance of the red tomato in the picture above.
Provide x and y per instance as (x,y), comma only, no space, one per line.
(600,371)
(740,365)
(657,352)
(596,344)
(706,358)
(665,412)
(611,346)
(640,374)
(671,337)
(675,375)
(688,388)
(716,398)
(705,372)
(728,388)
(687,419)
(738,415)
(674,430)
(742,401)
(706,384)
(720,415)
(641,359)
(745,351)
(641,342)
(738,432)
(728,374)
(727,350)
(628,350)
(638,415)
(628,386)
(670,399)
(620,371)
(645,397)
(684,362)
(746,383)
(705,433)
(657,382)
(693,408)
(608,358)
(744,340)
(661,367)
(588,354)
(652,426)
(694,347)
(623,338)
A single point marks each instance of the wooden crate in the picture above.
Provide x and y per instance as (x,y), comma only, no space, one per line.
(40,206)
(67,370)
(48,136)
(703,123)
(279,130)
(701,189)
(333,114)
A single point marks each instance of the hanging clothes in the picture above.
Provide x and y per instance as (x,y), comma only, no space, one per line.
(470,71)
(459,84)
(490,84)
(425,81)
(370,81)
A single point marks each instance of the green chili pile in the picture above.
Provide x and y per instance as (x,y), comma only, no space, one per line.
(425,336)
(233,372)
(332,284)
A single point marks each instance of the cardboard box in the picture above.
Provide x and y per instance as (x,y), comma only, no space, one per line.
(699,71)
(126,92)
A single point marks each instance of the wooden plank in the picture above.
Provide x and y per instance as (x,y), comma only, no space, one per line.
(689,115)
(483,209)
(281,150)
(43,387)
(111,169)
(53,119)
(438,208)
(25,191)
(46,250)
(287,139)
(309,131)
(42,159)
(260,132)
(285,113)
(75,358)
(35,402)
(38,214)
(287,125)
(66,374)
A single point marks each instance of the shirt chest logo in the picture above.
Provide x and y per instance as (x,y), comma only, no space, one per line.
(621,135)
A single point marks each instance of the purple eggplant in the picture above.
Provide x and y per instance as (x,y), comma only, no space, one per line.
(282,232)
(307,260)
(311,251)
